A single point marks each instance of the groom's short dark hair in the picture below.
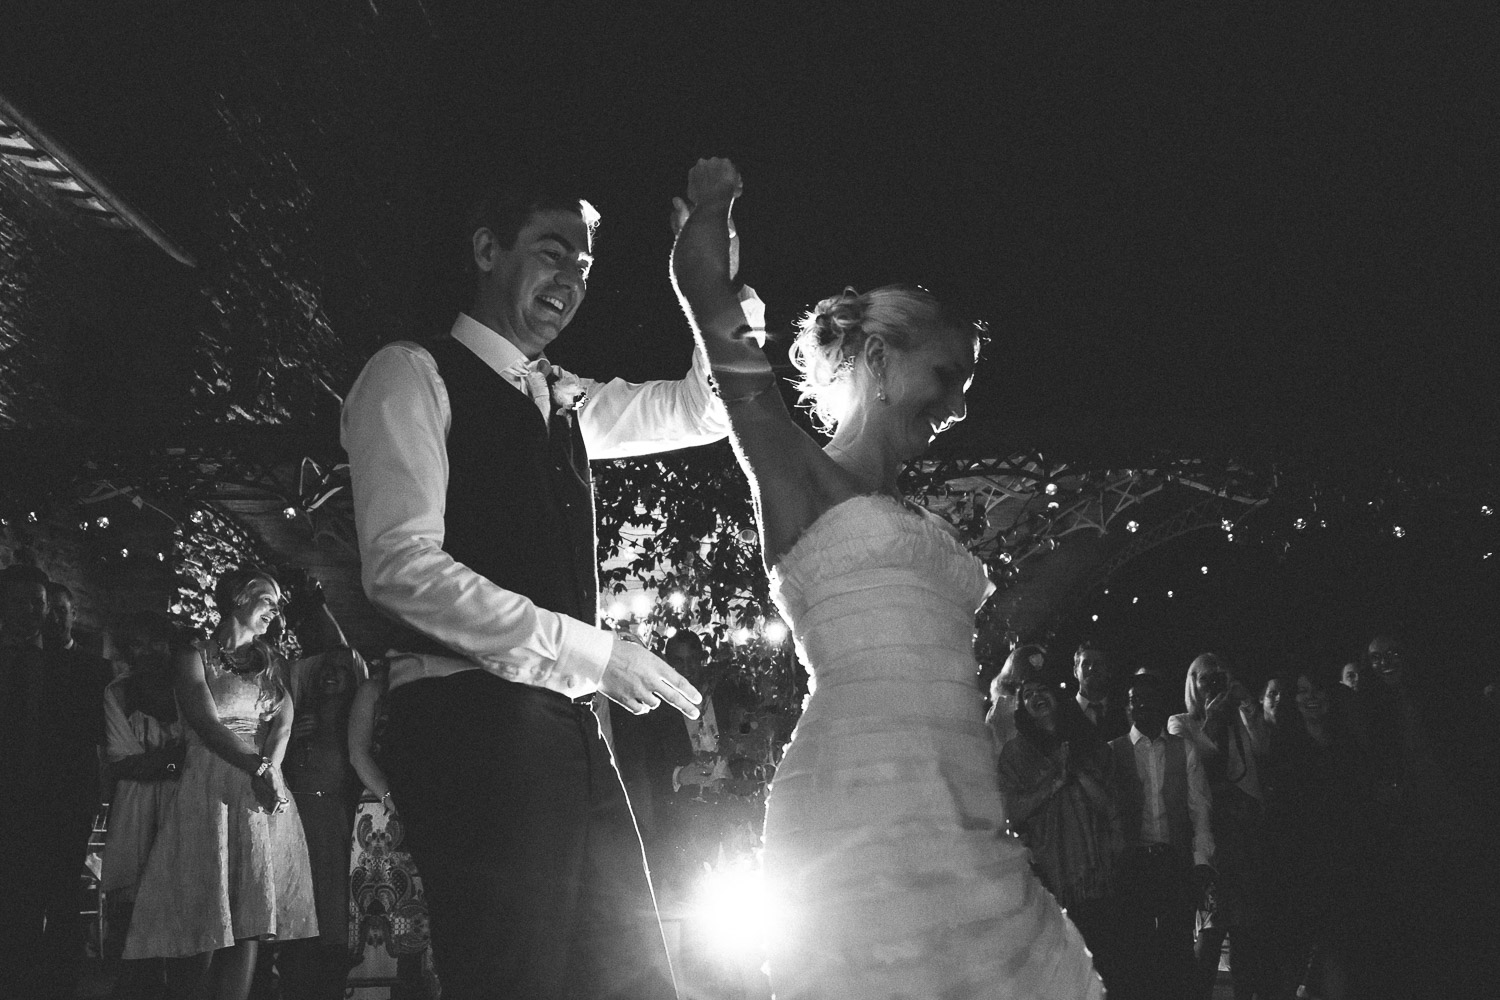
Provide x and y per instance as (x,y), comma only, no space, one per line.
(504,210)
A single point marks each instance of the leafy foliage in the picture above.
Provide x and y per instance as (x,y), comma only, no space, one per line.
(683,523)
(209,545)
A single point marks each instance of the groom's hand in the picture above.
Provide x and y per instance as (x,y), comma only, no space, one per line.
(637,680)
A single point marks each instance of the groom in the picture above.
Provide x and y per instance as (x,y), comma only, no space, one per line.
(474,507)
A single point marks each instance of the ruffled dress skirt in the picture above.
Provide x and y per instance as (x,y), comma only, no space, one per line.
(887,867)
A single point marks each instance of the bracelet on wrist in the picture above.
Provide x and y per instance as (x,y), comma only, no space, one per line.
(265,765)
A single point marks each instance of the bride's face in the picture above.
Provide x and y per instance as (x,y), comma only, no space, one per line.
(924,388)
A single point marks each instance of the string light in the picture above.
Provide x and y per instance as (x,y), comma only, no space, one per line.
(641,604)
(1398,531)
(1300,524)
(1227,524)
(289,513)
(83,526)
(1203,570)
(1169,593)
(124,553)
(742,635)
(775,631)
(103,522)
(1135,600)
(1050,489)
(677,599)
(1096,617)
(1005,557)
(1487,510)
(1132,526)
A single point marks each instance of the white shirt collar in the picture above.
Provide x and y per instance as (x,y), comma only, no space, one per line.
(1136,736)
(491,348)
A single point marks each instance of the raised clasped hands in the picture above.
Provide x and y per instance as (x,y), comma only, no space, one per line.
(638,680)
(710,179)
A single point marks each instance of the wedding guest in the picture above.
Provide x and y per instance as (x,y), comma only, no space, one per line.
(1272,697)
(1223,723)
(1104,709)
(326,789)
(49,791)
(1005,690)
(1436,841)
(229,869)
(1319,828)
(1277,711)
(144,753)
(382,825)
(1055,779)
(1163,798)
(1350,675)
(58,638)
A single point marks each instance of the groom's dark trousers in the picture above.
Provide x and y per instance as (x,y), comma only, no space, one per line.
(520,829)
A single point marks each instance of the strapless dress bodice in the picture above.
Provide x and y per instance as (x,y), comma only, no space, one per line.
(875,589)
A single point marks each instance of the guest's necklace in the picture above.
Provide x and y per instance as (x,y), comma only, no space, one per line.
(238,661)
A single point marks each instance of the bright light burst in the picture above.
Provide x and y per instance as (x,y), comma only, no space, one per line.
(731,909)
(677,599)
(775,631)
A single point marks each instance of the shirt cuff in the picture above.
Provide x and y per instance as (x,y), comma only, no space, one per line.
(1204,856)
(584,654)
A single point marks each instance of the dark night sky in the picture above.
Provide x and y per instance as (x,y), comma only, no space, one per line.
(1246,229)
(1266,232)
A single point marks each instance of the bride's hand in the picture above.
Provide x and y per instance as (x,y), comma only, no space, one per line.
(713,180)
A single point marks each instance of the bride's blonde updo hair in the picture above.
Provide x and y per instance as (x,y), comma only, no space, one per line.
(831,336)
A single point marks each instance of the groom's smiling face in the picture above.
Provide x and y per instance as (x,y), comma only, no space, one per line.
(529,292)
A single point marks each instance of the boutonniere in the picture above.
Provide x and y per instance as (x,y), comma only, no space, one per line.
(569,392)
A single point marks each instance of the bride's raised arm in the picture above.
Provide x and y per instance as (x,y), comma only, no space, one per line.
(793,481)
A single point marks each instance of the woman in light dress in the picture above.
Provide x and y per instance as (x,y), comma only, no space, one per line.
(884,852)
(229,868)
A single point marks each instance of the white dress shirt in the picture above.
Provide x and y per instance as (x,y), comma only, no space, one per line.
(1151,766)
(395,427)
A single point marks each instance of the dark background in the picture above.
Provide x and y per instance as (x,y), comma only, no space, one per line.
(1263,234)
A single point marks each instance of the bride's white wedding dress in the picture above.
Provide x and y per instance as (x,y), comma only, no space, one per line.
(885,847)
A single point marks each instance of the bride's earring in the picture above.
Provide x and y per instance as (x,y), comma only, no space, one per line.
(880,392)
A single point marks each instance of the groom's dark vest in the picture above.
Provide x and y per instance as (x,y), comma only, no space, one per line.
(520,506)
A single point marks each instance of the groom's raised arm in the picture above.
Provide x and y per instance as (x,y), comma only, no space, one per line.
(623,419)
(394,427)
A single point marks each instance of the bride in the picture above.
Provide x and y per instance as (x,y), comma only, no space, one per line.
(884,851)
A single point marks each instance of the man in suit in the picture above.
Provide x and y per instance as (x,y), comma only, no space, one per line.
(1096,696)
(474,506)
(50,721)
(1163,796)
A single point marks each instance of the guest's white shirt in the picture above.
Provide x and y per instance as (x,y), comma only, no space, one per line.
(395,427)
(1151,766)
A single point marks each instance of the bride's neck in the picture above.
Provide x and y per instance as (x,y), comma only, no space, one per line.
(875,471)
